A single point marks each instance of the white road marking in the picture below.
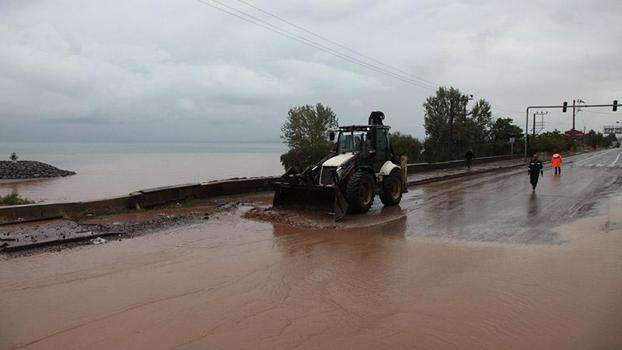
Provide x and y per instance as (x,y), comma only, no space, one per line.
(600,154)
(615,161)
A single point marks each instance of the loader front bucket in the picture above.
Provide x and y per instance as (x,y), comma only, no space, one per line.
(318,198)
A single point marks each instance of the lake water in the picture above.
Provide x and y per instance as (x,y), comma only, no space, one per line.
(107,170)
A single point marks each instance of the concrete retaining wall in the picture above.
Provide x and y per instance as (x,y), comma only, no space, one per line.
(419,167)
(162,195)
(147,198)
(31,212)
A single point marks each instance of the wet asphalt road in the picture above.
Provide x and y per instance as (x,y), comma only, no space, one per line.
(473,263)
(503,208)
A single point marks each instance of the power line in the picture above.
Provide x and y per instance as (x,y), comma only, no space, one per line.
(342,46)
(266,25)
(506,111)
(604,113)
(390,70)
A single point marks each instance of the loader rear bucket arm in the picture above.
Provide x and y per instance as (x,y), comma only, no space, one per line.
(310,197)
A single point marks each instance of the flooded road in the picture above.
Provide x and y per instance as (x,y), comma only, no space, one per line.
(472,264)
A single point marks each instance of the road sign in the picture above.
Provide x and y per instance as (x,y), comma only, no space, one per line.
(612,129)
(512,139)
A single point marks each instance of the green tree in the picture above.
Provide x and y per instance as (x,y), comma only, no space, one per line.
(451,128)
(597,139)
(500,132)
(479,123)
(600,140)
(443,112)
(552,141)
(407,145)
(611,139)
(304,132)
(503,128)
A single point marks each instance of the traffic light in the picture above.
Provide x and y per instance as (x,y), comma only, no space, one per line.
(565,107)
(615,105)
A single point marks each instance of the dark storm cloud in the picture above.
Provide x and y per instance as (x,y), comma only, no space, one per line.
(180,69)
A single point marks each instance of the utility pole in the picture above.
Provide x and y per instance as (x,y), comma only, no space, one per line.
(573,112)
(576,109)
(451,125)
(542,113)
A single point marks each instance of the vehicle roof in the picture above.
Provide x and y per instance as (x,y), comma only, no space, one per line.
(363,127)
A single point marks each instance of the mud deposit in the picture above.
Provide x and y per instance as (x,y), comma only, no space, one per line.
(291,217)
(261,210)
(54,235)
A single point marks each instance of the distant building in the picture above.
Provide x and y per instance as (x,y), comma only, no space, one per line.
(612,129)
(574,134)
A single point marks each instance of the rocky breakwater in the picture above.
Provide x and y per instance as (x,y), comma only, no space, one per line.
(27,169)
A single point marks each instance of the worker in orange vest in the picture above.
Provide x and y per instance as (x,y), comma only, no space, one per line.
(556,163)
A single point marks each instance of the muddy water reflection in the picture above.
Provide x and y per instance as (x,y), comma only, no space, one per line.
(374,288)
(532,210)
(239,284)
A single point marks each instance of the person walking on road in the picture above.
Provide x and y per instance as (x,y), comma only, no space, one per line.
(469,158)
(535,170)
(556,162)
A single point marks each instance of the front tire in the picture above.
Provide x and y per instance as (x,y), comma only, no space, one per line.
(360,192)
(392,188)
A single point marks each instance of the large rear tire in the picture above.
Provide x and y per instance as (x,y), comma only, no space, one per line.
(392,188)
(360,192)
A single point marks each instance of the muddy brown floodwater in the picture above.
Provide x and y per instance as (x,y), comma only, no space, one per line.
(480,263)
(231,283)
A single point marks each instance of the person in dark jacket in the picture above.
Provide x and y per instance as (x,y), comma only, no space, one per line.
(468,157)
(535,170)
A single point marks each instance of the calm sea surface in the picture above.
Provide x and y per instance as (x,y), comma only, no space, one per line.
(106,170)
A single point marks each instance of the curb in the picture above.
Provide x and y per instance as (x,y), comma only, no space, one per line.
(54,242)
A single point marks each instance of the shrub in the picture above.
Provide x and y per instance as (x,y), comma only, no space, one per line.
(14,199)
(406,145)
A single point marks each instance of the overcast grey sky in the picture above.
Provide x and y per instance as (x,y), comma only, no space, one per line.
(181,70)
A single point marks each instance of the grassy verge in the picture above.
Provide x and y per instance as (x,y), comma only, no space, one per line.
(14,199)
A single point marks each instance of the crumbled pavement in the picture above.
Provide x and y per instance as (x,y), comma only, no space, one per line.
(52,235)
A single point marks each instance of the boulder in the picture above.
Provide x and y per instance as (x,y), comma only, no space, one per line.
(28,169)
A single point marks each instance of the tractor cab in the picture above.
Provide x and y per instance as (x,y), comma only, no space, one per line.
(369,142)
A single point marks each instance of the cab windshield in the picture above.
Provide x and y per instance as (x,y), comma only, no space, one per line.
(351,141)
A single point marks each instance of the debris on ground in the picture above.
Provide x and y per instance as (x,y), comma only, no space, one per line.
(66,233)
(312,220)
(98,240)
